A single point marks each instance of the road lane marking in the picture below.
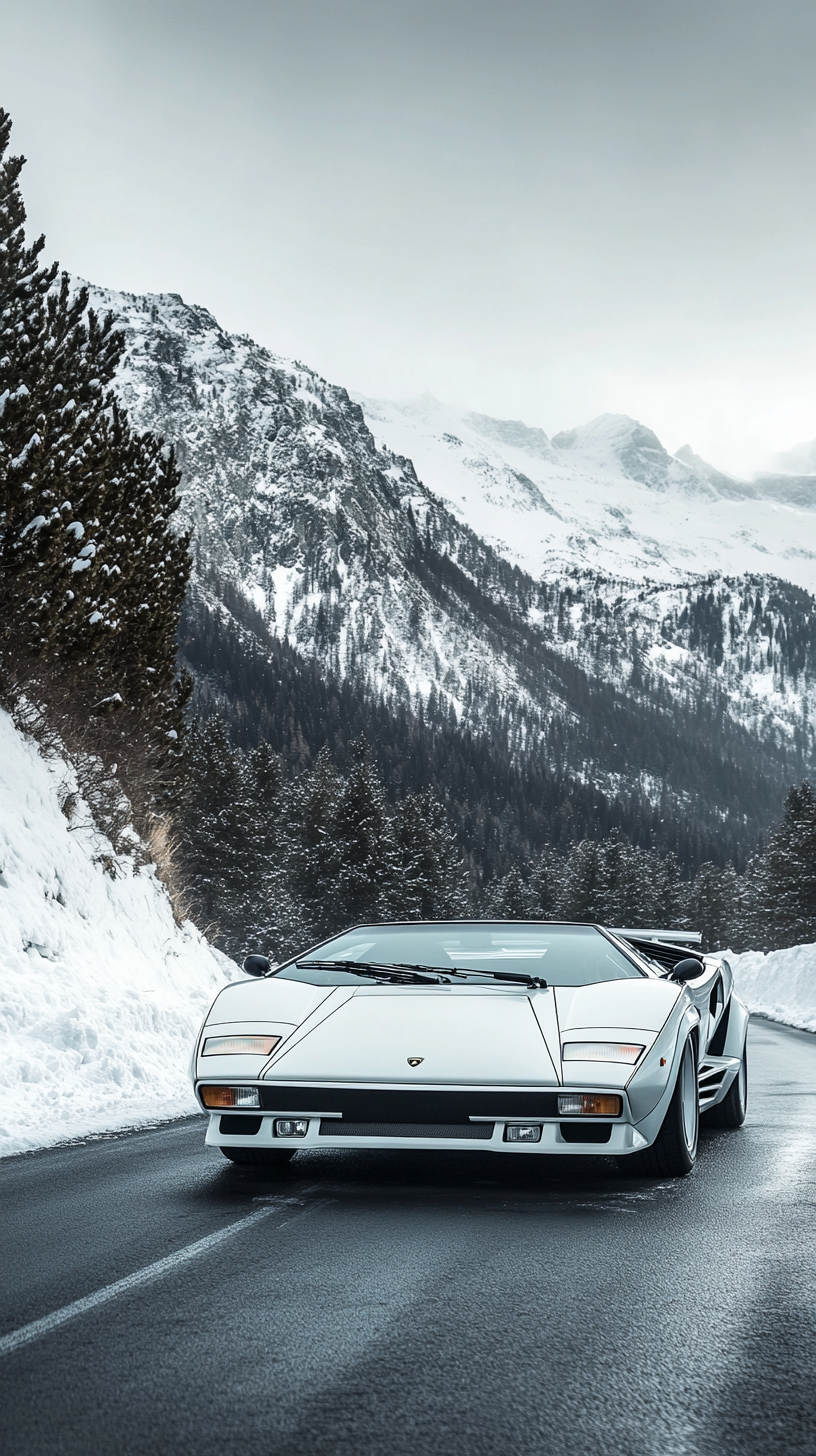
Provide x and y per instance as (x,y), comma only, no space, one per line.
(16,1339)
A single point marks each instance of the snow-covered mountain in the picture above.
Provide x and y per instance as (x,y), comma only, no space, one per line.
(592,604)
(606,497)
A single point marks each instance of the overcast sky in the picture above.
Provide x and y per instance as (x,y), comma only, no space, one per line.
(541,209)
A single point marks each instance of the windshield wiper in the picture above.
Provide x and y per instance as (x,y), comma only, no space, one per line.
(422,975)
(407,975)
(520,977)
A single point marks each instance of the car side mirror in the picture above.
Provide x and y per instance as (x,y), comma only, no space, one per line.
(257,965)
(687,970)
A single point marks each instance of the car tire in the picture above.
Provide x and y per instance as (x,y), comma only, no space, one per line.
(674,1151)
(734,1106)
(268,1157)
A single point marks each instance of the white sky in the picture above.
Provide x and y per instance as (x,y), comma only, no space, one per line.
(541,209)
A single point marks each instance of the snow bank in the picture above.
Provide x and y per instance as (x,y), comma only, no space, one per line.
(780,985)
(101,992)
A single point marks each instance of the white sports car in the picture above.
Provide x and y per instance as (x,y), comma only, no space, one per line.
(505,1036)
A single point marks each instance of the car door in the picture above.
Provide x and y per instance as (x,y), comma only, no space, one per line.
(706,992)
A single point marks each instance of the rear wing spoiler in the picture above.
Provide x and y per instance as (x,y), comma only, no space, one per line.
(670,937)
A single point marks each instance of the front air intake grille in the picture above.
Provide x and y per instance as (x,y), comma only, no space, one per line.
(586,1132)
(469,1131)
(406,1104)
(240,1126)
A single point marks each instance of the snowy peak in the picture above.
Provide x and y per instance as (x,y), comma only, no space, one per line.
(586,498)
(619,445)
(472,449)
(724,485)
(278,466)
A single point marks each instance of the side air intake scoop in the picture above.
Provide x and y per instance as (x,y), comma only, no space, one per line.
(672,937)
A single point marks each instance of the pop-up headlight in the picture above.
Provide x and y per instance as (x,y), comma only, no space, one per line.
(601,1051)
(230,1046)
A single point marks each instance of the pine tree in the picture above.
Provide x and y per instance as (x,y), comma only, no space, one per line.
(511,898)
(273,919)
(545,883)
(430,878)
(217,851)
(55,371)
(667,891)
(712,905)
(92,572)
(315,850)
(149,563)
(787,874)
(581,891)
(367,870)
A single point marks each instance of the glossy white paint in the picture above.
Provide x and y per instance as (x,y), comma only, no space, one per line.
(464,1035)
(642,1003)
(265,999)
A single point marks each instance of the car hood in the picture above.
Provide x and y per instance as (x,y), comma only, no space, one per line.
(456,1035)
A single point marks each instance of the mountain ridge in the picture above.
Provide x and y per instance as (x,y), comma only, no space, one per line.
(625,505)
(358,564)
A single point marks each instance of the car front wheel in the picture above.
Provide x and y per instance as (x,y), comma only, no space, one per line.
(674,1151)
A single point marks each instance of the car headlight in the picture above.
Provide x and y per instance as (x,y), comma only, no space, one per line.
(231,1046)
(601,1051)
(230,1096)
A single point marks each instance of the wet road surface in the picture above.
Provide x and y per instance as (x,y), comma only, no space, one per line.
(415,1304)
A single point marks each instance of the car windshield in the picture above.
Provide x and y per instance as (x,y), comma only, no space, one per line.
(561,955)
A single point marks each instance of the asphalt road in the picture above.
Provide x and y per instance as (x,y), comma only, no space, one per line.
(400,1303)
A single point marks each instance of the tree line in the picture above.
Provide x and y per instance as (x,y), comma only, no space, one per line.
(273,862)
(508,791)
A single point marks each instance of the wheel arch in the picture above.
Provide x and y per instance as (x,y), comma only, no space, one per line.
(737,1029)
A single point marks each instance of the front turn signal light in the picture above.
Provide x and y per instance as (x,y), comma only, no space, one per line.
(244,1097)
(227,1046)
(589,1104)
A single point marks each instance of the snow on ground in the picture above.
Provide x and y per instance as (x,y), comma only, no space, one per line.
(780,985)
(101,992)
